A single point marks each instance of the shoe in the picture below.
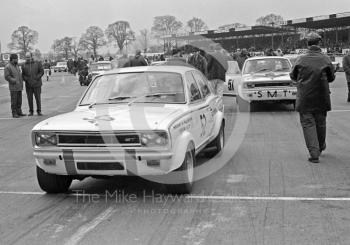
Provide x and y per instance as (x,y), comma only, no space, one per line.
(21,114)
(314,160)
(40,114)
(15,115)
(30,114)
(322,148)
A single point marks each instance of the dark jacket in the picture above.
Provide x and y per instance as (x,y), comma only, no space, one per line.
(32,71)
(217,65)
(312,72)
(346,67)
(199,62)
(13,75)
(138,60)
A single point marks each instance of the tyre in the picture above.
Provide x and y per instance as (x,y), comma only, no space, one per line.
(243,106)
(52,183)
(219,141)
(184,174)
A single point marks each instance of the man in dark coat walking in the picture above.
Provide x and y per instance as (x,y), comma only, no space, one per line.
(32,71)
(13,75)
(312,72)
(346,67)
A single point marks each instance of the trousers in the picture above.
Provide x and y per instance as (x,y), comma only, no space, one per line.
(16,102)
(36,91)
(314,129)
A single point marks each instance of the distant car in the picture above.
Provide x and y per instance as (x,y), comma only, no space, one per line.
(232,77)
(96,69)
(145,121)
(265,79)
(61,66)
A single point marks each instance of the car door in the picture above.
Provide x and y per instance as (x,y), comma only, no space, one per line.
(232,78)
(197,107)
(209,102)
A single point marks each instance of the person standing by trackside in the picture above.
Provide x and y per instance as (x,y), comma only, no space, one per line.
(346,67)
(198,61)
(217,67)
(32,71)
(47,72)
(12,74)
(312,73)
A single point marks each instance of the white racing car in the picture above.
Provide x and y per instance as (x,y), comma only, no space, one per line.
(145,121)
(265,79)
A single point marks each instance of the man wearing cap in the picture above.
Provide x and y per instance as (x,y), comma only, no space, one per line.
(312,73)
(32,72)
(346,66)
(13,75)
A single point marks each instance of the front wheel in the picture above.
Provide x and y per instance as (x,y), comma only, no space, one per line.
(219,141)
(184,175)
(52,183)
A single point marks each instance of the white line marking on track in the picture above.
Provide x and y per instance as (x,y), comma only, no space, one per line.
(224,198)
(339,111)
(83,230)
(11,118)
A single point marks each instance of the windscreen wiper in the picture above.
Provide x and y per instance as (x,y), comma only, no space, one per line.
(121,97)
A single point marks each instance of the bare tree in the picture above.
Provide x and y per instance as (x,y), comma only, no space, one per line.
(270,20)
(63,46)
(196,24)
(144,39)
(92,39)
(121,33)
(166,25)
(76,48)
(23,39)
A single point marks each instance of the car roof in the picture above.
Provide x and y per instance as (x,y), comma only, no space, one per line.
(176,69)
(267,57)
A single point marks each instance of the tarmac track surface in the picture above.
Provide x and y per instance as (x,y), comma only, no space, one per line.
(266,194)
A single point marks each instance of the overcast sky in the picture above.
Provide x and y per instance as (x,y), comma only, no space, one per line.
(59,18)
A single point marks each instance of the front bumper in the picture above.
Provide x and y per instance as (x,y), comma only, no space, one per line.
(269,94)
(133,161)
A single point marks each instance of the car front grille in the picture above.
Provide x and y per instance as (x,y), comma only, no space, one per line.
(270,84)
(100,166)
(99,139)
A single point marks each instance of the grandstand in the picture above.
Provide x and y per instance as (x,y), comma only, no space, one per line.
(334,28)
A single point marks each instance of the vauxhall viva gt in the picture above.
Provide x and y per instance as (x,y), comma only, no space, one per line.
(265,79)
(144,121)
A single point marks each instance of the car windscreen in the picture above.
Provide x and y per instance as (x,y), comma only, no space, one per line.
(61,64)
(100,67)
(140,87)
(266,65)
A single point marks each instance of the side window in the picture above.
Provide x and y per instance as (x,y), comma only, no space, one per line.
(195,94)
(202,82)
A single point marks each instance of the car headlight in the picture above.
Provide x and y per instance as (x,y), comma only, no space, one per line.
(154,138)
(248,85)
(45,139)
